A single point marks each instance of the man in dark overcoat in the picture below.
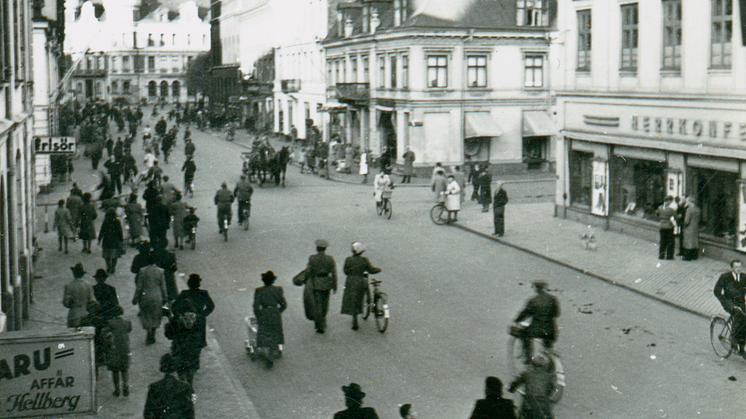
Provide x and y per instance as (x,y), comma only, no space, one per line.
(201,301)
(485,187)
(730,290)
(542,309)
(321,276)
(169,397)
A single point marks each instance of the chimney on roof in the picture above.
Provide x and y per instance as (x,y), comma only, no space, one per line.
(397,12)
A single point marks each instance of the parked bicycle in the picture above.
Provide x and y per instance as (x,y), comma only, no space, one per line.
(384,207)
(516,360)
(721,335)
(378,305)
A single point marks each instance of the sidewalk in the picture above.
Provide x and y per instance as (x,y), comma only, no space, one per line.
(219,394)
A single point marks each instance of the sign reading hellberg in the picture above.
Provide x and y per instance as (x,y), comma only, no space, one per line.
(47,375)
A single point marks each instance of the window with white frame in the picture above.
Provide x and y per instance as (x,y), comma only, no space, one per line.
(672,34)
(437,71)
(584,40)
(392,65)
(382,71)
(722,34)
(534,74)
(405,71)
(476,70)
(336,72)
(366,69)
(531,13)
(629,36)
(329,73)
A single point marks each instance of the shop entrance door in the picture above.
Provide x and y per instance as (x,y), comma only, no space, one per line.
(388,133)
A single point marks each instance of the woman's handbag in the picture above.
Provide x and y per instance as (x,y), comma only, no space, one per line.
(300,279)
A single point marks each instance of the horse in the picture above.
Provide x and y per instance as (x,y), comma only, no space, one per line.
(278,165)
(258,163)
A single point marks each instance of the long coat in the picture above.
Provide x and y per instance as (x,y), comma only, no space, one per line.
(356,285)
(73,204)
(111,237)
(76,296)
(135,218)
(63,222)
(118,355)
(87,215)
(269,303)
(107,298)
(690,233)
(179,210)
(204,305)
(453,196)
(150,295)
(407,169)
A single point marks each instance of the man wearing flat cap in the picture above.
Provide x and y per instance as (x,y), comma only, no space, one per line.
(354,396)
(76,296)
(543,309)
(321,276)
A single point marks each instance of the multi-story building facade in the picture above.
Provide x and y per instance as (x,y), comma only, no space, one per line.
(457,81)
(17,186)
(292,32)
(653,107)
(134,58)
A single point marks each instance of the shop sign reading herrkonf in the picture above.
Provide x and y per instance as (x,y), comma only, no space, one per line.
(47,374)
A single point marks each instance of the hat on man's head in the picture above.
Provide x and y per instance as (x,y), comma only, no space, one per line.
(78,270)
(322,243)
(101,273)
(269,277)
(168,364)
(353,391)
(540,285)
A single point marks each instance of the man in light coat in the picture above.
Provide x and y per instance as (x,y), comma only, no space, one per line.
(690,231)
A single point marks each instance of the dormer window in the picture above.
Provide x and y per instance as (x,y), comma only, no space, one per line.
(151,42)
(532,13)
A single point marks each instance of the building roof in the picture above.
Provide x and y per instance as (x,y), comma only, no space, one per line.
(452,14)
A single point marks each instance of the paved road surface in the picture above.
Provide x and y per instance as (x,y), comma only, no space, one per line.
(452,296)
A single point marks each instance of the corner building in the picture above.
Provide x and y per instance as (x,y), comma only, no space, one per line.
(457,81)
(650,103)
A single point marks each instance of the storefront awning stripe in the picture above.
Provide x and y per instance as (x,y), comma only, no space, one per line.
(481,124)
(537,124)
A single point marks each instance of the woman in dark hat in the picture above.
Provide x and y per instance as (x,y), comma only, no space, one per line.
(186,339)
(105,294)
(354,396)
(202,303)
(169,397)
(356,287)
(111,240)
(87,216)
(269,303)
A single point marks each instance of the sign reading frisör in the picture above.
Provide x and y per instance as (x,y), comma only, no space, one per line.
(45,145)
(47,374)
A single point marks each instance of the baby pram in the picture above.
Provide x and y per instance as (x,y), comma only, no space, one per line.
(252,350)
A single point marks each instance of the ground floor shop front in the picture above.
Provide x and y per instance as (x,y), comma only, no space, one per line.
(617,164)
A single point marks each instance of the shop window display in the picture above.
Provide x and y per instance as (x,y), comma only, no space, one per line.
(637,187)
(717,195)
(581,169)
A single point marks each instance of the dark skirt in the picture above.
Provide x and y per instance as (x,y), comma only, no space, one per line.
(356,288)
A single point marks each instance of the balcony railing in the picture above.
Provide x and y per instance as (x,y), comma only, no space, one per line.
(290,85)
(352,92)
(90,73)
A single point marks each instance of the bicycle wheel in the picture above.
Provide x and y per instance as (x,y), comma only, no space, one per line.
(439,214)
(720,337)
(194,241)
(379,208)
(387,209)
(559,383)
(245,220)
(382,312)
(366,310)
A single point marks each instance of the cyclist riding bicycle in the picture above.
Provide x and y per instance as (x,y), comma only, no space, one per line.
(730,290)
(537,382)
(243,193)
(223,199)
(542,309)
(382,182)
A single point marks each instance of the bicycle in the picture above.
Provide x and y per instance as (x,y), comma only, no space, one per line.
(721,337)
(245,218)
(378,305)
(224,226)
(439,213)
(516,358)
(384,207)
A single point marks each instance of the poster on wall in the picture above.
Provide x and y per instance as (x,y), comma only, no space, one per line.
(600,188)
(675,184)
(47,375)
(741,233)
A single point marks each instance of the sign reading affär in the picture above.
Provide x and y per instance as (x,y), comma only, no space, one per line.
(44,375)
(55,145)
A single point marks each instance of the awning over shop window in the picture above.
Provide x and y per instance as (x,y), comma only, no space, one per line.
(481,124)
(537,124)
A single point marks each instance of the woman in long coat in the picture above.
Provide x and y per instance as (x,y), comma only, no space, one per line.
(269,303)
(179,210)
(186,338)
(356,285)
(135,218)
(111,239)
(63,222)
(87,216)
(453,198)
(690,233)
(151,296)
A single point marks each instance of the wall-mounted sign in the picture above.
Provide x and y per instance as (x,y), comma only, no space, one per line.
(675,185)
(46,375)
(46,145)
(600,201)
